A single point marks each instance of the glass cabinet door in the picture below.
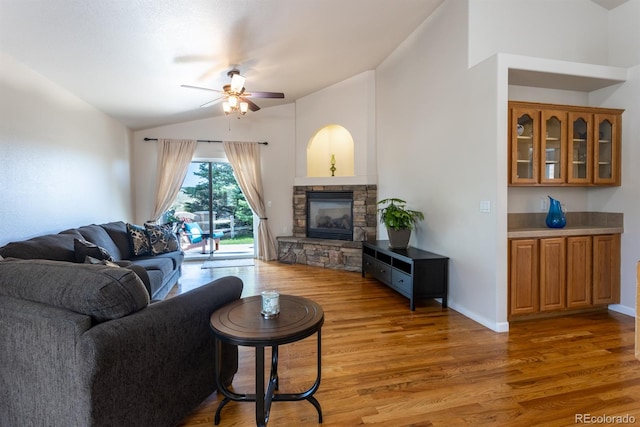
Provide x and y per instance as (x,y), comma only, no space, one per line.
(605,149)
(524,146)
(580,148)
(553,147)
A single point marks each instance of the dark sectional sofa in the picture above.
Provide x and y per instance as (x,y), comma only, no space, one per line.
(158,272)
(82,344)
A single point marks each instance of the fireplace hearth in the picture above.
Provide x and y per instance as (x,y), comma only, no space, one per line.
(333,253)
(330,215)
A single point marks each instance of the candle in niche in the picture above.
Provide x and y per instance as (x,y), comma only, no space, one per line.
(270,304)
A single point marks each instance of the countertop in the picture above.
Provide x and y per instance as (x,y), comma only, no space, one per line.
(532,225)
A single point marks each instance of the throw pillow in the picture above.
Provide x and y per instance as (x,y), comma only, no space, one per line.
(161,238)
(138,240)
(194,232)
(84,248)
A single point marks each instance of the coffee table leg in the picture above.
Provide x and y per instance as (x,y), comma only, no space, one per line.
(261,416)
(307,395)
(265,397)
(222,388)
(274,366)
(219,383)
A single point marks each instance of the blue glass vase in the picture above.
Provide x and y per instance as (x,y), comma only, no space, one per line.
(555,217)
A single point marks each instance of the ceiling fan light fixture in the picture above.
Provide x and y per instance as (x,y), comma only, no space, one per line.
(234,96)
(237,83)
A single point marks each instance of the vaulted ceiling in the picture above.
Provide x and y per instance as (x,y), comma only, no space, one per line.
(128,58)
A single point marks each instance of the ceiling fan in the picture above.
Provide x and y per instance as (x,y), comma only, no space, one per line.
(234,95)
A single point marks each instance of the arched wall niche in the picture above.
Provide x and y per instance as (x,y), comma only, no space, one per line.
(331,143)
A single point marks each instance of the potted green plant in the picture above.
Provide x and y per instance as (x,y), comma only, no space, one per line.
(399,221)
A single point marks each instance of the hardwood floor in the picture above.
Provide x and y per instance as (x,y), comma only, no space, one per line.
(384,365)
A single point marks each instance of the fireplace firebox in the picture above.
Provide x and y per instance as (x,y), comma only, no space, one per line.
(330,215)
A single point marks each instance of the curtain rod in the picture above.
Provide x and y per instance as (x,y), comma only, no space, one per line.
(205,140)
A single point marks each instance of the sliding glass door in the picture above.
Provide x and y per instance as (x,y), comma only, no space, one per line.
(211,205)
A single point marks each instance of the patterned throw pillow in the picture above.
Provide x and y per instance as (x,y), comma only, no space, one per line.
(161,238)
(138,240)
(84,248)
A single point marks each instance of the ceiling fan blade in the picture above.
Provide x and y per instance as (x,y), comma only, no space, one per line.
(252,106)
(264,95)
(200,88)
(213,101)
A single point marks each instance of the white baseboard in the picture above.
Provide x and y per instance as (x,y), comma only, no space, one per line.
(629,311)
(504,326)
(494,326)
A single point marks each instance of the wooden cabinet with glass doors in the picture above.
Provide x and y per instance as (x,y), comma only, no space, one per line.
(560,145)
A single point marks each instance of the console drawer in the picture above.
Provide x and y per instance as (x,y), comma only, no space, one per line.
(368,264)
(402,281)
(382,271)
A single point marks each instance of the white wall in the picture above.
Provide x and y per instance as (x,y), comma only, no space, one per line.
(63,163)
(275,125)
(624,34)
(569,30)
(350,104)
(437,149)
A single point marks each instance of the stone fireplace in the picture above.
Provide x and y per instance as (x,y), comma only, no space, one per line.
(339,249)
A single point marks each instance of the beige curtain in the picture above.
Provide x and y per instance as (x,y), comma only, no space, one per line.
(174,157)
(245,160)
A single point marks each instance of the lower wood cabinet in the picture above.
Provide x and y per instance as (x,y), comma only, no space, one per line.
(606,269)
(553,268)
(579,271)
(563,273)
(524,297)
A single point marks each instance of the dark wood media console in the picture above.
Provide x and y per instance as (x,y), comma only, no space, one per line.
(412,272)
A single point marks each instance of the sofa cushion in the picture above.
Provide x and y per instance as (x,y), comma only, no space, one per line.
(99,236)
(156,280)
(99,291)
(161,238)
(164,264)
(86,249)
(57,247)
(117,230)
(139,240)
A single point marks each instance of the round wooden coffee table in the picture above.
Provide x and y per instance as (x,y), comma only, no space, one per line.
(241,323)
